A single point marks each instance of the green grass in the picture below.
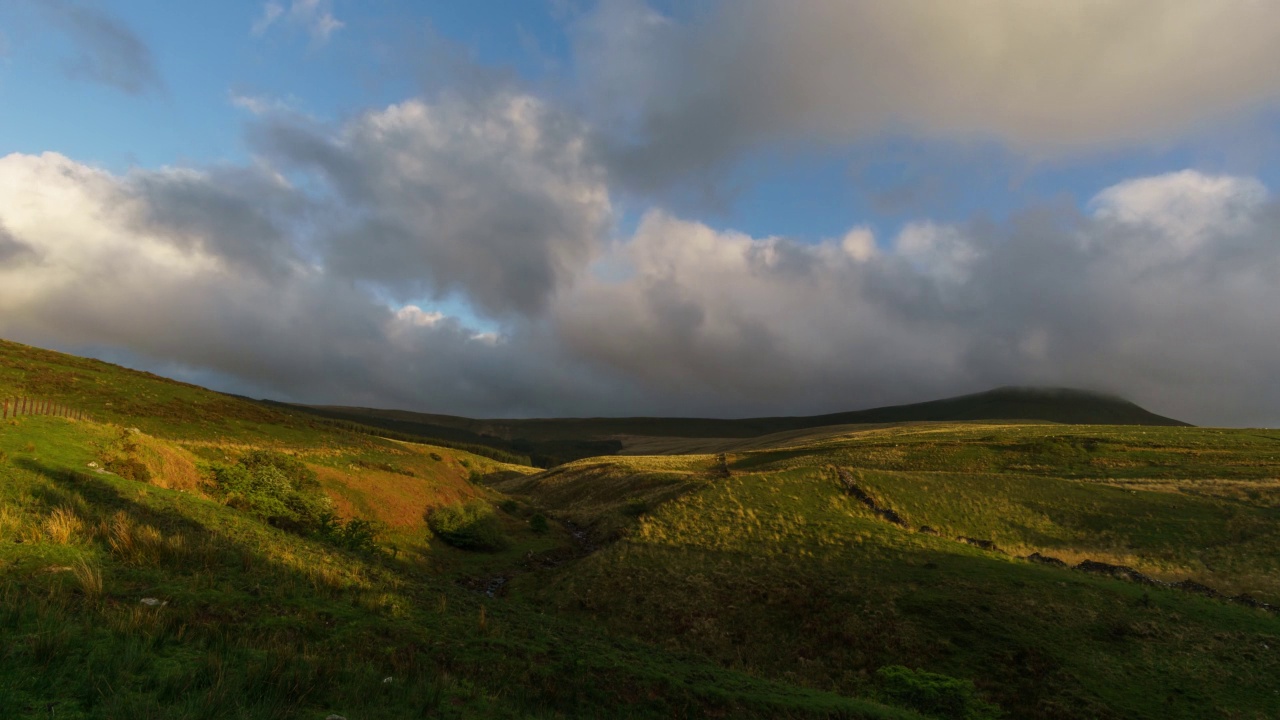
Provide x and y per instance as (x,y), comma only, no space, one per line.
(660,587)
(776,572)
(257,622)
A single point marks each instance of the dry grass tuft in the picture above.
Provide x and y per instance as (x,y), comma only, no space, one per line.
(62,525)
(10,521)
(171,467)
(140,543)
(89,578)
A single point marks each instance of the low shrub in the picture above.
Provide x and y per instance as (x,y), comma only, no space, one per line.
(355,534)
(933,694)
(538,523)
(468,526)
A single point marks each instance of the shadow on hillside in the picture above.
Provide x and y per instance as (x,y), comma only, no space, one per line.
(100,494)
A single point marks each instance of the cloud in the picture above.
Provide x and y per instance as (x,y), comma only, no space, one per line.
(261,105)
(13,251)
(109,52)
(1162,289)
(314,16)
(495,197)
(1112,299)
(138,263)
(687,97)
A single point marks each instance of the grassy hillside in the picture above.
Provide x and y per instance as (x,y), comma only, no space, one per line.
(251,621)
(778,571)
(131,586)
(292,567)
(552,441)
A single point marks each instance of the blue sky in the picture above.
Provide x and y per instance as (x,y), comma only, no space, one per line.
(598,205)
(207,54)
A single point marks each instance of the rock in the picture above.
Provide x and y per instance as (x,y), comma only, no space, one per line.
(984,544)
(334,717)
(1036,557)
(1192,586)
(386,681)
(1246,599)
(154,602)
(1123,572)
(928,530)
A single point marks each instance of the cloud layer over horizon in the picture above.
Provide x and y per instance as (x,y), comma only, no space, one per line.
(497,252)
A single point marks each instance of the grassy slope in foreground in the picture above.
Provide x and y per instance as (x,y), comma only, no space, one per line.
(255,622)
(777,572)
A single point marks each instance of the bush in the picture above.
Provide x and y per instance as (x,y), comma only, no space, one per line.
(510,507)
(356,534)
(538,523)
(277,487)
(933,694)
(468,526)
(296,472)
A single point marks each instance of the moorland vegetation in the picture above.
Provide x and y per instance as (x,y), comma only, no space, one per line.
(181,553)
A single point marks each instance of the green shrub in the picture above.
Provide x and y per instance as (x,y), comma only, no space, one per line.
(436,456)
(940,696)
(538,523)
(356,534)
(510,507)
(468,526)
(276,487)
(296,472)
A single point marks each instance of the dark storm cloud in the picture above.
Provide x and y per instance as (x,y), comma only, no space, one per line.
(108,51)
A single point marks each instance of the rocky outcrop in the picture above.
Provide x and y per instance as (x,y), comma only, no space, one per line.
(984,544)
(1045,560)
(850,485)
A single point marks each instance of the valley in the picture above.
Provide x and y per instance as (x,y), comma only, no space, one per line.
(181,553)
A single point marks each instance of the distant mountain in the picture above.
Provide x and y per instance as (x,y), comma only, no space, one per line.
(1059,405)
(550,441)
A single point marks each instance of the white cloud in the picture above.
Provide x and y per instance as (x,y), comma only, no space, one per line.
(236,272)
(260,104)
(748,325)
(1183,210)
(314,16)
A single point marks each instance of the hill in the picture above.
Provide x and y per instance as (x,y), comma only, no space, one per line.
(554,440)
(171,572)
(1088,571)
(186,554)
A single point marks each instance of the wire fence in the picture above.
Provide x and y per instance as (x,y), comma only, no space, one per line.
(16,406)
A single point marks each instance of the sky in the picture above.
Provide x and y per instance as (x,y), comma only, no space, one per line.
(508,208)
